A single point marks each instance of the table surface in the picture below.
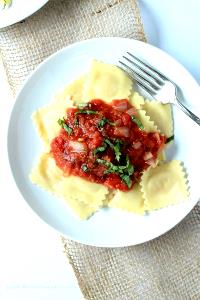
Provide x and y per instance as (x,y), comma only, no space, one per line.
(33,265)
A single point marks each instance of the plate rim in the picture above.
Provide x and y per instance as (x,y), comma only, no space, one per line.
(111,245)
(8,23)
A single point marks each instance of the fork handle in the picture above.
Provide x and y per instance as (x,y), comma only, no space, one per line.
(188,112)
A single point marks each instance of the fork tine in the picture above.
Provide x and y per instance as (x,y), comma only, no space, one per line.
(145,88)
(139,79)
(145,75)
(155,72)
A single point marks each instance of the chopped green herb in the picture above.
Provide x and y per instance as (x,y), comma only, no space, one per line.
(168,140)
(84,168)
(138,122)
(86,112)
(81,105)
(127,180)
(62,123)
(111,167)
(129,166)
(104,121)
(100,149)
(109,143)
(123,171)
(116,147)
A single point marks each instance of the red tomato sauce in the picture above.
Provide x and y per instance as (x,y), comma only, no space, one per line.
(105,143)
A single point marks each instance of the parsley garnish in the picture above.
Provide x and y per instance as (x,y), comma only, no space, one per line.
(62,123)
(123,171)
(137,121)
(104,121)
(84,168)
(86,112)
(169,139)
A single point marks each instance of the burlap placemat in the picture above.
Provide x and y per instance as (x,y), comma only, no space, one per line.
(166,268)
(61,22)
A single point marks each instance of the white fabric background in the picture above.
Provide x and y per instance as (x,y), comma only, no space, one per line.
(32,265)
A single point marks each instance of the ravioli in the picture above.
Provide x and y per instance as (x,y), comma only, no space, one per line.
(106,82)
(162,156)
(46,117)
(136,100)
(74,90)
(148,124)
(160,186)
(82,196)
(161,114)
(164,185)
(131,201)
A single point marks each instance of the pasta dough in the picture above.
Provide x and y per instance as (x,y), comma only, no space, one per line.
(131,201)
(82,196)
(45,119)
(160,186)
(148,124)
(161,114)
(162,156)
(164,185)
(74,90)
(136,100)
(106,82)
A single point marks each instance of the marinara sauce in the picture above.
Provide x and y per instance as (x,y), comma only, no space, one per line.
(105,143)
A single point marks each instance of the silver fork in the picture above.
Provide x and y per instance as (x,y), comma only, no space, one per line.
(155,83)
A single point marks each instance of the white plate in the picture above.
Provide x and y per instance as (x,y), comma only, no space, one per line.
(108,227)
(19,10)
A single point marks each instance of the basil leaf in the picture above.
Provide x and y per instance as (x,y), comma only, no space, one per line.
(65,126)
(109,143)
(86,112)
(105,162)
(82,105)
(137,121)
(168,140)
(127,180)
(116,147)
(129,166)
(123,171)
(100,149)
(104,121)
(84,168)
(111,167)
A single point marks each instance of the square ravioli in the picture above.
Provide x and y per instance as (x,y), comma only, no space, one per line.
(106,82)
(82,196)
(161,114)
(164,185)
(131,201)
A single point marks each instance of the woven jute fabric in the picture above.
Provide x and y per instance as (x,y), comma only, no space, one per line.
(62,22)
(165,268)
